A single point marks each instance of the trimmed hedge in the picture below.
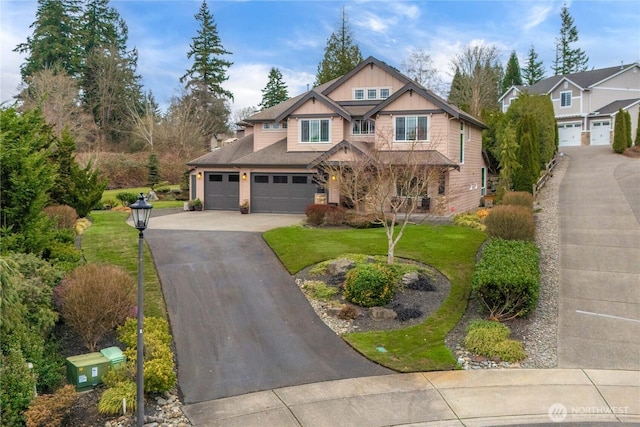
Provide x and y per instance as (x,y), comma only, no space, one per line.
(369,285)
(491,339)
(507,278)
(511,222)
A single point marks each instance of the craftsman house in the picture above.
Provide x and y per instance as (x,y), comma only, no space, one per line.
(276,164)
(586,103)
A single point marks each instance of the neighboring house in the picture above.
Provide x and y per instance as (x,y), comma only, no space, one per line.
(586,103)
(275,164)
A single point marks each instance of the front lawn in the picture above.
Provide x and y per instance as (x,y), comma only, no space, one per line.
(110,240)
(449,249)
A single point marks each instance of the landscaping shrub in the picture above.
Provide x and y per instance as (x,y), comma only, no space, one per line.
(96,299)
(319,290)
(111,399)
(510,223)
(159,367)
(50,410)
(360,221)
(16,392)
(316,213)
(63,217)
(491,339)
(518,198)
(348,312)
(369,285)
(507,278)
(335,216)
(469,220)
(127,198)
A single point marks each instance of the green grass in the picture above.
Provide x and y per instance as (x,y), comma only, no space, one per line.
(110,240)
(158,204)
(449,249)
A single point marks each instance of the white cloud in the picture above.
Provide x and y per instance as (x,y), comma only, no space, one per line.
(15,19)
(537,15)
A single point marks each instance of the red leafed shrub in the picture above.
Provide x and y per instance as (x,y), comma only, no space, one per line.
(96,299)
(510,222)
(63,216)
(316,214)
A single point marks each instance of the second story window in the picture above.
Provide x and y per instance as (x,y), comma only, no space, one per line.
(565,99)
(384,93)
(411,128)
(371,93)
(314,130)
(363,127)
(358,94)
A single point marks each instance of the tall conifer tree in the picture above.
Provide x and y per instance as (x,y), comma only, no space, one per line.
(568,59)
(209,69)
(533,71)
(54,41)
(341,54)
(275,91)
(512,76)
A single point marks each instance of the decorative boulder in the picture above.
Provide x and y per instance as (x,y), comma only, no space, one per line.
(340,266)
(381,313)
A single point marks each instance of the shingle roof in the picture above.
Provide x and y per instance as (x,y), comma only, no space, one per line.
(615,106)
(225,155)
(584,79)
(277,155)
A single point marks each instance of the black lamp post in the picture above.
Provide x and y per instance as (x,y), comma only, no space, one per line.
(140,212)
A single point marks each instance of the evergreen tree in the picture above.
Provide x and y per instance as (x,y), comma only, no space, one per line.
(526,135)
(209,70)
(637,142)
(568,59)
(275,91)
(533,71)
(508,160)
(54,40)
(109,81)
(627,125)
(512,76)
(620,133)
(153,166)
(341,54)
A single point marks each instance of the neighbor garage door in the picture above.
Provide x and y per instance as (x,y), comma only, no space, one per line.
(221,190)
(281,193)
(569,134)
(600,131)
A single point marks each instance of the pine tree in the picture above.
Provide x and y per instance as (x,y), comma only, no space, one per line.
(526,135)
(508,160)
(275,91)
(209,70)
(512,76)
(153,166)
(341,55)
(533,71)
(568,60)
(619,133)
(637,142)
(54,39)
(627,126)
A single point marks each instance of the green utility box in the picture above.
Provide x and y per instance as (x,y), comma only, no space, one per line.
(114,355)
(86,370)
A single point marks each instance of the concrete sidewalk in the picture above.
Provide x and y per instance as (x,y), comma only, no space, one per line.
(451,398)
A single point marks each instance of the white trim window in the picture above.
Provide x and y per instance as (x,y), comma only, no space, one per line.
(315,130)
(411,128)
(274,126)
(358,94)
(363,127)
(372,93)
(565,99)
(384,93)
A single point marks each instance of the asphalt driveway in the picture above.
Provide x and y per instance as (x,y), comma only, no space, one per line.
(239,321)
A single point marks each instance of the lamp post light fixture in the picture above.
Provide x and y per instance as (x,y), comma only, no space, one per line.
(140,212)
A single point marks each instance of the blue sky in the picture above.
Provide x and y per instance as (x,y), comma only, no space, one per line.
(291,35)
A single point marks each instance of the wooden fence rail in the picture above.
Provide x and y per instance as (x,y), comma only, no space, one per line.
(548,172)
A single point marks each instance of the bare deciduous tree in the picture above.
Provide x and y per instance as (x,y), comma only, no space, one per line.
(387,183)
(57,95)
(420,67)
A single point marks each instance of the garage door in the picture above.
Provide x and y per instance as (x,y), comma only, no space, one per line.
(569,134)
(281,193)
(600,132)
(221,190)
